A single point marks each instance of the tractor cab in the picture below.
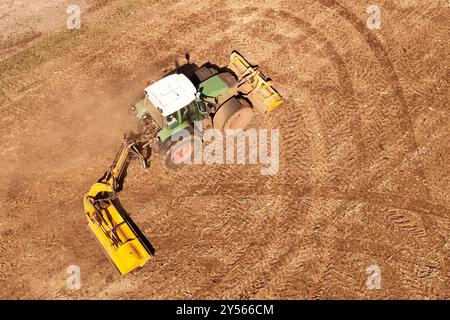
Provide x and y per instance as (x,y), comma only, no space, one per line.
(171,94)
(173,102)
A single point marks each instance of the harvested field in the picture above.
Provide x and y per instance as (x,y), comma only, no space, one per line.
(364,176)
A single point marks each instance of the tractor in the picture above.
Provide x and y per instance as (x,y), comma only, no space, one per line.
(223,97)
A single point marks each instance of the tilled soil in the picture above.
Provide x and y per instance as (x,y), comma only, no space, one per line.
(364,177)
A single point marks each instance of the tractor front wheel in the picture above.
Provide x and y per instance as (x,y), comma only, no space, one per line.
(181,152)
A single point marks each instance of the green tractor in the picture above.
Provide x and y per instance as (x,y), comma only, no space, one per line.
(225,98)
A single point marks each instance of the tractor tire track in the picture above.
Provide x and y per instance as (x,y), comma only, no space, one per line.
(216,186)
(226,231)
(383,58)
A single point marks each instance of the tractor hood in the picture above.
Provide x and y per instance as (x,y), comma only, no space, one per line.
(171,93)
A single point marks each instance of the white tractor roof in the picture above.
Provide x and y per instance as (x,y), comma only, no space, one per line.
(171,93)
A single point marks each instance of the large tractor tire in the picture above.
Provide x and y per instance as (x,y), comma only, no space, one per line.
(233,114)
(181,152)
(204,73)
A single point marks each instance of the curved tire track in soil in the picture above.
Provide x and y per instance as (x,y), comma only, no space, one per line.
(383,58)
(429,225)
(274,240)
(287,251)
(233,233)
(361,195)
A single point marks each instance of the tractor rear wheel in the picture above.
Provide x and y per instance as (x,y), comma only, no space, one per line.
(181,152)
(233,114)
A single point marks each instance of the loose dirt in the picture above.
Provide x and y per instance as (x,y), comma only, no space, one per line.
(364,176)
